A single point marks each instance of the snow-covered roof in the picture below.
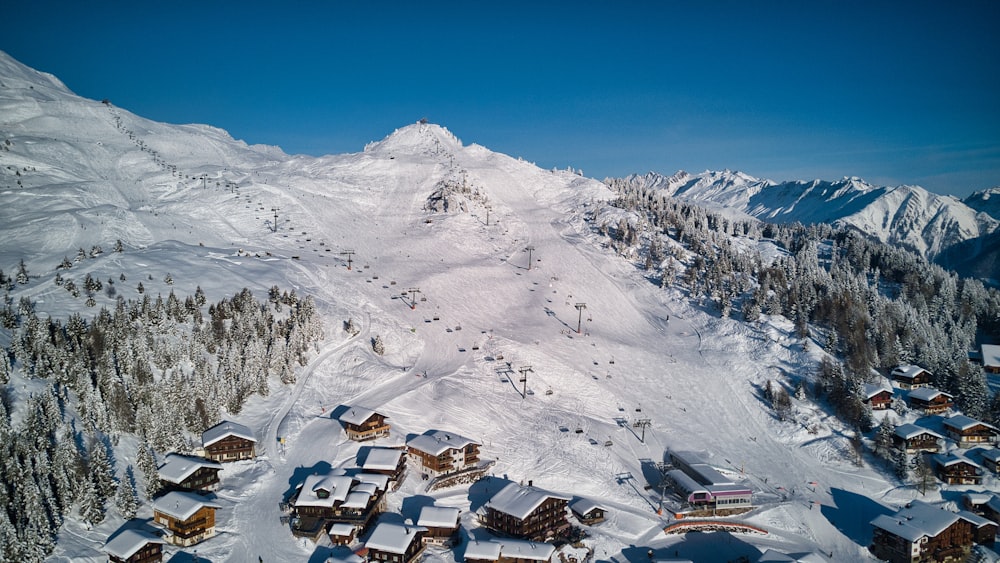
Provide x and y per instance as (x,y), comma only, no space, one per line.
(436,442)
(928,394)
(521,549)
(991,454)
(182,505)
(872,389)
(952,458)
(487,550)
(991,355)
(344,555)
(382,459)
(357,415)
(393,538)
(367,488)
(907,371)
(976,520)
(128,542)
(224,429)
(338,487)
(908,431)
(519,501)
(684,482)
(916,520)
(341,529)
(377,479)
(438,517)
(584,505)
(962,422)
(356,499)
(976,499)
(176,467)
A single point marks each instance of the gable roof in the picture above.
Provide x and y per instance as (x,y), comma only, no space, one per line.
(951,458)
(916,520)
(358,415)
(907,371)
(584,505)
(393,538)
(962,422)
(438,517)
(488,550)
(176,467)
(129,542)
(436,442)
(908,431)
(182,505)
(991,355)
(523,549)
(381,459)
(224,429)
(873,389)
(928,394)
(337,485)
(519,501)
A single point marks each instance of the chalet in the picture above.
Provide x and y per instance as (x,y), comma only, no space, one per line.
(188,517)
(508,551)
(526,512)
(877,396)
(984,530)
(922,532)
(912,439)
(335,497)
(441,523)
(189,473)
(134,546)
(976,502)
(968,432)
(384,461)
(437,453)
(991,458)
(991,358)
(991,509)
(342,533)
(700,485)
(911,377)
(955,469)
(320,495)
(229,441)
(363,424)
(930,401)
(587,511)
(395,543)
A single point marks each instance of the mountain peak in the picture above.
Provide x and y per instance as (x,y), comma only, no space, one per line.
(421,137)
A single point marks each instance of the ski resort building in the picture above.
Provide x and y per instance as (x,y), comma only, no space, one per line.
(441,523)
(912,439)
(335,497)
(968,432)
(435,453)
(911,377)
(930,400)
(229,441)
(526,512)
(395,543)
(702,486)
(363,424)
(188,518)
(922,532)
(955,469)
(189,473)
(877,396)
(134,546)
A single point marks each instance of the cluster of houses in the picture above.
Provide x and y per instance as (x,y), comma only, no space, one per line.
(920,531)
(183,512)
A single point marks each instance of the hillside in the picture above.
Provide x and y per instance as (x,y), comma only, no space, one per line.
(418,210)
(937,227)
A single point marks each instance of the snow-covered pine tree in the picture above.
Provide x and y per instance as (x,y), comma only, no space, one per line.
(100,470)
(377,346)
(92,509)
(126,500)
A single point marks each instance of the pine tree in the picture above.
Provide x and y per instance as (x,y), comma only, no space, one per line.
(884,438)
(377,346)
(99,468)
(91,504)
(146,463)
(923,475)
(900,464)
(22,273)
(126,500)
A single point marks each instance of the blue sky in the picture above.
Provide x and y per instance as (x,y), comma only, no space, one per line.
(892,92)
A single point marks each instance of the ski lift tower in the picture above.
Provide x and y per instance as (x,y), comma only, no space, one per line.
(348,253)
(274,226)
(529,249)
(413,291)
(524,380)
(643,423)
(579,319)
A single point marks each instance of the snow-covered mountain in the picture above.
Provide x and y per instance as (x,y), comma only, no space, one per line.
(909,216)
(987,201)
(421,213)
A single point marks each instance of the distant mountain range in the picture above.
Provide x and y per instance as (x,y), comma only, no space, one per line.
(959,235)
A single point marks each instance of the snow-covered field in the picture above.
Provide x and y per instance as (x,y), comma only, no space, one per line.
(191,202)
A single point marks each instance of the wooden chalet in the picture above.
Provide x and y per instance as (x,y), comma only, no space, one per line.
(384,461)
(526,512)
(930,400)
(134,546)
(922,532)
(955,469)
(911,377)
(189,518)
(968,432)
(363,424)
(342,533)
(188,473)
(912,439)
(441,523)
(991,509)
(587,511)
(436,452)
(229,441)
(991,458)
(991,358)
(984,530)
(506,550)
(335,497)
(878,397)
(395,543)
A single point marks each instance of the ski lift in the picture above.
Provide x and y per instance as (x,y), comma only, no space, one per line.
(579,430)
(548,391)
(608,443)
